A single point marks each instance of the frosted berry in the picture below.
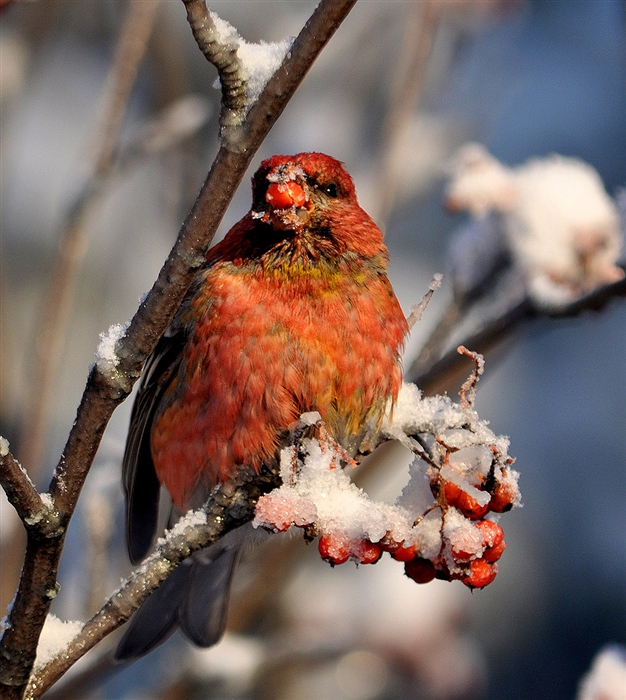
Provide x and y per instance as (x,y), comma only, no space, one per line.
(368,552)
(451,492)
(405,552)
(492,554)
(333,549)
(470,507)
(462,555)
(503,498)
(481,573)
(491,532)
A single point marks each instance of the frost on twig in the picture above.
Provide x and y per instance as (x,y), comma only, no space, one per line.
(437,526)
(468,390)
(36,510)
(418,310)
(244,68)
(55,636)
(552,215)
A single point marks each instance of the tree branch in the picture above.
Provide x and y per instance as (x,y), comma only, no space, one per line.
(452,367)
(105,390)
(36,515)
(223,55)
(230,506)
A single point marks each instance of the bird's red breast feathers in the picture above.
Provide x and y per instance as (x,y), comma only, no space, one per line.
(293,313)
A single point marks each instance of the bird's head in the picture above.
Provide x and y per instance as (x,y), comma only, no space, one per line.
(304,208)
(293,192)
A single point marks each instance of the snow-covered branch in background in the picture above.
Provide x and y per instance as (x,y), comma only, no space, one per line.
(544,239)
(607,678)
(553,216)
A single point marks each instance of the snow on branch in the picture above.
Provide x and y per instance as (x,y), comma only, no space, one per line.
(230,505)
(35,510)
(107,360)
(244,68)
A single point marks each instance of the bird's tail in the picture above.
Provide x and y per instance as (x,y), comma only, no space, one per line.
(194,597)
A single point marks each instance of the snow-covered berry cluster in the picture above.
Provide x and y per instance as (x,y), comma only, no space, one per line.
(439,527)
(468,481)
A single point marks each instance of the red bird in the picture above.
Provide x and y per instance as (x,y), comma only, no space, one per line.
(292,312)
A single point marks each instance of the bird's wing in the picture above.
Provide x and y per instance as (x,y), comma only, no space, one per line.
(139,477)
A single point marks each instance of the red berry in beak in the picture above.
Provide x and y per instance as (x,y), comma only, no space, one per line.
(285,195)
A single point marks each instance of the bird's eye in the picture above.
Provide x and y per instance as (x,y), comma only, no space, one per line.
(330,189)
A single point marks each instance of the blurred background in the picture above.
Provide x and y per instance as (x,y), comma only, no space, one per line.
(399,88)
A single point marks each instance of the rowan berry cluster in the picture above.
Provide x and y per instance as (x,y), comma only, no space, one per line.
(442,525)
(464,494)
(469,544)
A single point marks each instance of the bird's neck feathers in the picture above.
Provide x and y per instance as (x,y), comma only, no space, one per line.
(350,243)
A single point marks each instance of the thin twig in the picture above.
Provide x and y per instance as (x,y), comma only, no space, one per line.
(20,490)
(105,391)
(418,310)
(468,389)
(72,245)
(445,373)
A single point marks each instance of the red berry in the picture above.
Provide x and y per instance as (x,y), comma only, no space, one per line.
(481,574)
(491,532)
(492,554)
(503,498)
(368,552)
(420,570)
(285,195)
(470,506)
(405,552)
(388,545)
(461,555)
(333,549)
(451,492)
